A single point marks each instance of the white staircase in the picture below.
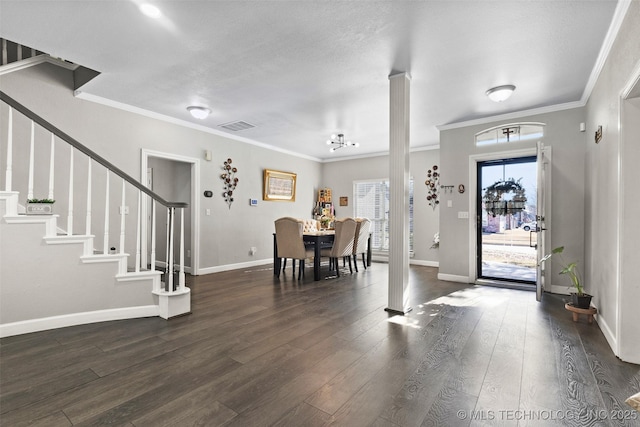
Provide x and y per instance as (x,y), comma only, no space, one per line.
(51,280)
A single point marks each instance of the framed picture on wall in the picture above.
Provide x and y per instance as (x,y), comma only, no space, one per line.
(279,186)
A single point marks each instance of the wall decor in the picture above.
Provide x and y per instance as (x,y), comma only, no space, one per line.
(598,135)
(344,201)
(433,177)
(461,188)
(279,186)
(229,180)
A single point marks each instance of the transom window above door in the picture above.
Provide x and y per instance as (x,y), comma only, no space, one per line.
(514,132)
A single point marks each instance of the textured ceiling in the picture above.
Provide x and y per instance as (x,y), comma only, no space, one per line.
(302,70)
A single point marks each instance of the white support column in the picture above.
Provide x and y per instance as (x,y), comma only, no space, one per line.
(70,213)
(52,166)
(31,160)
(399,194)
(9,170)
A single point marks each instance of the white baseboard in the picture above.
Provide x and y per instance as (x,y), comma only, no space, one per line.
(453,278)
(54,322)
(227,267)
(424,263)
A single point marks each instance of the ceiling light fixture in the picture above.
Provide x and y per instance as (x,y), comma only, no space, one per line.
(199,112)
(337,141)
(500,93)
(150,10)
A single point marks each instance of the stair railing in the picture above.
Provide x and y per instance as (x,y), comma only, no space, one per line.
(110,169)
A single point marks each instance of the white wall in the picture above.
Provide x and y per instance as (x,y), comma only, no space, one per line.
(339,176)
(119,136)
(567,199)
(612,204)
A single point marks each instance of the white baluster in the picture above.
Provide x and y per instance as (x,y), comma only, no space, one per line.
(9,172)
(181,280)
(122,219)
(138,232)
(5,58)
(31,155)
(88,220)
(19,52)
(166,280)
(172,212)
(105,245)
(70,214)
(153,235)
(51,167)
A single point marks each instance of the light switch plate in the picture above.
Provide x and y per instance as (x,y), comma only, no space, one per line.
(463,215)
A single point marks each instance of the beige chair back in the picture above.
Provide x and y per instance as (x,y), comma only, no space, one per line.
(309,225)
(344,238)
(289,238)
(362,235)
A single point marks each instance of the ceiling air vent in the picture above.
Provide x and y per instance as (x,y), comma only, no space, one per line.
(237,126)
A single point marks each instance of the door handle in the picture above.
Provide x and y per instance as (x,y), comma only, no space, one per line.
(531,244)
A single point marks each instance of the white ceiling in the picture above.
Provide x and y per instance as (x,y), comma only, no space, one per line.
(302,70)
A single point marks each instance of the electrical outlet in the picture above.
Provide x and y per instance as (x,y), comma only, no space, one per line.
(188,253)
(207,212)
(124,211)
(253,250)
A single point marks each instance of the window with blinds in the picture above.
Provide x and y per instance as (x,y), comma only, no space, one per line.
(371,200)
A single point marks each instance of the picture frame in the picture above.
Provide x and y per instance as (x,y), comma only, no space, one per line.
(279,186)
(344,201)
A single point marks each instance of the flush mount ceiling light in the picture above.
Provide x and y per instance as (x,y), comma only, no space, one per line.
(150,10)
(199,112)
(500,93)
(337,141)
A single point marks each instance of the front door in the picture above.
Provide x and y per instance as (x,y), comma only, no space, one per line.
(507,220)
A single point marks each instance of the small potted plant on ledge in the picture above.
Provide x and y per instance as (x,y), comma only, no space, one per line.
(40,206)
(579,298)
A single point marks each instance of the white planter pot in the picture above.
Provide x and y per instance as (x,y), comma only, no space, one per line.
(39,208)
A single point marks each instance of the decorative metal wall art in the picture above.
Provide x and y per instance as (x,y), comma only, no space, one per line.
(495,202)
(433,177)
(229,181)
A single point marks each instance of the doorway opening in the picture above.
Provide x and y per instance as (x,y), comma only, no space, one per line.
(176,178)
(506,203)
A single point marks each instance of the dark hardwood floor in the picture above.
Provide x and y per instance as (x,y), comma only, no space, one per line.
(262,351)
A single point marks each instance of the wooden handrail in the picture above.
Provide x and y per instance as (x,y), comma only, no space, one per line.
(83,149)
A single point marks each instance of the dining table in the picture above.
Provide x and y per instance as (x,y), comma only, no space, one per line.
(321,239)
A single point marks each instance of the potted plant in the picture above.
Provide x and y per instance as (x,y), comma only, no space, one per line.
(579,298)
(40,206)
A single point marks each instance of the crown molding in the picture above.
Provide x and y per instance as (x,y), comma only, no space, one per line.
(514,115)
(616,22)
(184,123)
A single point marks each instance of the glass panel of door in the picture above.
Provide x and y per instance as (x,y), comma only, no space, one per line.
(507,227)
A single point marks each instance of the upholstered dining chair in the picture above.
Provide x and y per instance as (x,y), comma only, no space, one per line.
(290,243)
(361,239)
(345,230)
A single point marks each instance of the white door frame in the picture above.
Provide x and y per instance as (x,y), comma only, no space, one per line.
(195,203)
(474,159)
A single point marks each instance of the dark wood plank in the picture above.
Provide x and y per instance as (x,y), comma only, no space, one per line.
(258,350)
